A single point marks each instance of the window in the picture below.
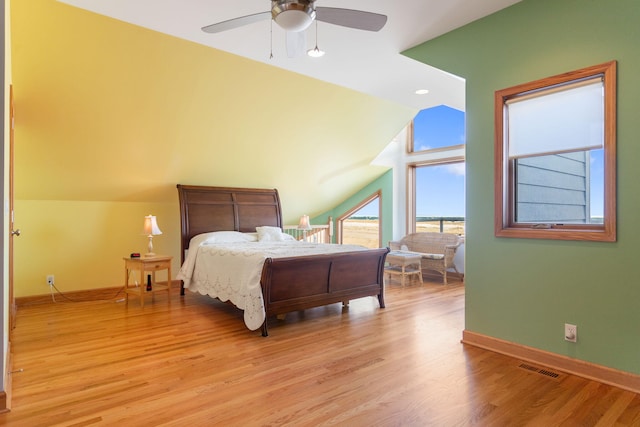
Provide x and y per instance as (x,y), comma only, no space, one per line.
(436,128)
(555,151)
(361,224)
(439,197)
(435,179)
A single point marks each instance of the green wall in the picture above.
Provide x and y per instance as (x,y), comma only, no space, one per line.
(524,290)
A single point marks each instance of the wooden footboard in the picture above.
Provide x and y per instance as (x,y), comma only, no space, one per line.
(298,283)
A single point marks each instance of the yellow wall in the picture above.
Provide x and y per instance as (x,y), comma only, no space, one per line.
(84,242)
(110,117)
(4,310)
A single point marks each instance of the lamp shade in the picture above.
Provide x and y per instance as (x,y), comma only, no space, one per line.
(151,226)
(304,223)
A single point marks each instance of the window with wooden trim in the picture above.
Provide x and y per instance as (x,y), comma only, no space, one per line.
(555,157)
(362,224)
(436,196)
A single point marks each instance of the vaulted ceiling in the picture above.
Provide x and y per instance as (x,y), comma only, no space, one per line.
(365,61)
(120,100)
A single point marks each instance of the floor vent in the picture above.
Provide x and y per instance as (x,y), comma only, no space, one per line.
(529,367)
(546,372)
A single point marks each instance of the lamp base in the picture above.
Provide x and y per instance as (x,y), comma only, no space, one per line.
(150,248)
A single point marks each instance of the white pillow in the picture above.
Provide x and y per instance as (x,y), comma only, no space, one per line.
(270,234)
(222,237)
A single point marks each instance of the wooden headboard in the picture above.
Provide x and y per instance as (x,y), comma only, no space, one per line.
(204,209)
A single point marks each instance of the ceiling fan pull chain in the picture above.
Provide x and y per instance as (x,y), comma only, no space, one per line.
(271,39)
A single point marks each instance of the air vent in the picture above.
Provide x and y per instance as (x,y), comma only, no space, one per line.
(528,367)
(540,371)
(548,373)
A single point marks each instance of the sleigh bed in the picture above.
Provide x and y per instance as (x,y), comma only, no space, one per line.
(288,277)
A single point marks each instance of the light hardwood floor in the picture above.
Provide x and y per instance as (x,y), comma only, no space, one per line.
(192,362)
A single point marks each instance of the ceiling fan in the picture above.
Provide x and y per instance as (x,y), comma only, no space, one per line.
(297,15)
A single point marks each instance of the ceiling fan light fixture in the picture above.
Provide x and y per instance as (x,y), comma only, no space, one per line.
(315,52)
(293,16)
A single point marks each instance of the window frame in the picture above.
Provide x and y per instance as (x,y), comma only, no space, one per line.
(412,186)
(356,208)
(505,224)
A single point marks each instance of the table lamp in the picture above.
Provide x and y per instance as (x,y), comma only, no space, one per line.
(151,229)
(305,226)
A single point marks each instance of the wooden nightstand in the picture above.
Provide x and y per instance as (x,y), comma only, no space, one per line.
(147,264)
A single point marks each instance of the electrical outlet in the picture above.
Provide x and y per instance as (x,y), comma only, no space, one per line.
(50,280)
(570,332)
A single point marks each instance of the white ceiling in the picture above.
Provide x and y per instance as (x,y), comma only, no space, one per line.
(368,62)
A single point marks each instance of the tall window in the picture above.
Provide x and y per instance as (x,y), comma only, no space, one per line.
(436,185)
(439,197)
(361,225)
(555,157)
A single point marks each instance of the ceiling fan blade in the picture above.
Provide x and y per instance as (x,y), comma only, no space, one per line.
(296,43)
(357,19)
(236,22)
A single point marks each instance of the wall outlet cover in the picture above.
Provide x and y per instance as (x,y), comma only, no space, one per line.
(570,332)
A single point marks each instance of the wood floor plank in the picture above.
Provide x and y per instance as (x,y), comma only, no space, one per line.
(191,361)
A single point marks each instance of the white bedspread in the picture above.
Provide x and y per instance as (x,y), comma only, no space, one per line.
(232,271)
